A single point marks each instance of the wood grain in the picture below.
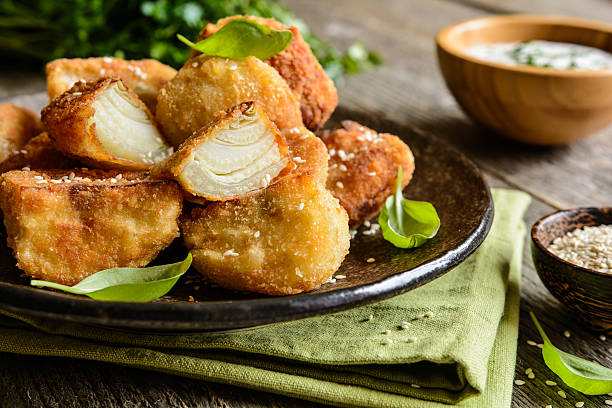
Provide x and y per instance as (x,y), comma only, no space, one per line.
(407,89)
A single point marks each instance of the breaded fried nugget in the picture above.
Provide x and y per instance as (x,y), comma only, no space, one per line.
(285,239)
(363,168)
(17,126)
(66,225)
(241,151)
(145,77)
(300,68)
(104,124)
(207,85)
(38,153)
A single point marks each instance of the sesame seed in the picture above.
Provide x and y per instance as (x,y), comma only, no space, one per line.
(586,247)
(230,252)
(339,184)
(562,394)
(23,151)
(608,402)
(532,343)
(579,404)
(55,181)
(352,233)
(113,180)
(567,334)
(370,260)
(233,68)
(26,169)
(415,385)
(405,326)
(406,323)
(194,64)
(419,316)
(529,370)
(519,382)
(548,406)
(257,234)
(107,60)
(540,345)
(298,159)
(531,376)
(370,317)
(372,173)
(119,176)
(38,177)
(41,181)
(387,341)
(301,206)
(551,383)
(332,152)
(387,331)
(342,167)
(411,339)
(429,314)
(366,224)
(602,337)
(340,276)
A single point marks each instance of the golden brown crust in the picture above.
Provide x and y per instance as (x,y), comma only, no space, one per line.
(363,168)
(145,77)
(285,239)
(172,167)
(205,86)
(300,68)
(69,122)
(17,126)
(65,231)
(38,153)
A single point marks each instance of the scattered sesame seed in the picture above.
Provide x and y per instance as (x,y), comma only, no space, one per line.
(551,383)
(608,402)
(370,260)
(41,181)
(353,233)
(529,370)
(233,67)
(429,314)
(332,152)
(567,334)
(55,181)
(230,252)
(113,180)
(419,316)
(257,234)
(387,331)
(342,167)
(298,159)
(372,173)
(531,376)
(588,247)
(532,343)
(562,394)
(411,339)
(108,60)
(26,169)
(339,184)
(38,177)
(602,337)
(387,341)
(366,224)
(540,345)
(415,385)
(519,382)
(119,176)
(340,276)
(579,404)
(405,326)
(23,151)
(370,317)
(548,406)
(194,64)
(301,206)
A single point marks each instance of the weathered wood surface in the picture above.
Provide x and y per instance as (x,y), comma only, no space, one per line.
(409,90)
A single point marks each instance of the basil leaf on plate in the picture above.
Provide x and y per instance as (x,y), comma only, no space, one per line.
(126,284)
(241,38)
(407,223)
(582,375)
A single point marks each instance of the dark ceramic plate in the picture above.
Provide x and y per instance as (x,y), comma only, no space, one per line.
(443,176)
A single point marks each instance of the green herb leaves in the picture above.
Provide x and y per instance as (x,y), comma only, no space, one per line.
(241,38)
(582,375)
(126,284)
(407,223)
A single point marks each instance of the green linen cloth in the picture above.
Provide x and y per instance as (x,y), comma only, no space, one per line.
(466,349)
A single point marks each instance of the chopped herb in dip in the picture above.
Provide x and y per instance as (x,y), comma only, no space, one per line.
(544,54)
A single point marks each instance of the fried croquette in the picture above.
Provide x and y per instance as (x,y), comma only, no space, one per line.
(38,153)
(241,151)
(207,85)
(287,238)
(145,77)
(17,126)
(105,125)
(363,168)
(64,225)
(300,68)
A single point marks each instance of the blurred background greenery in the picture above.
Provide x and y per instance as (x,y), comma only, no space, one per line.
(33,32)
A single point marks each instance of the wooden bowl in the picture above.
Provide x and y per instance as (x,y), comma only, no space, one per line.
(533,105)
(587,293)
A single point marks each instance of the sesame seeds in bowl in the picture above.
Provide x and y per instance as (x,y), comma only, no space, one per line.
(571,252)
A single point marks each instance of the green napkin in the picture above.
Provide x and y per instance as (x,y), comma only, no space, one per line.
(467,348)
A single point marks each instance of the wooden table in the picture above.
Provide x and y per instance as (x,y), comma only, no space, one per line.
(408,89)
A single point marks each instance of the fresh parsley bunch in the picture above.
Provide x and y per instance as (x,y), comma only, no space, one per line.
(37,31)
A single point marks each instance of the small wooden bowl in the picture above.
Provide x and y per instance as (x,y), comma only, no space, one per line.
(585,292)
(533,105)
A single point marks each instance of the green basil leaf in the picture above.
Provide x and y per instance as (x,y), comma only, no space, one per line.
(406,223)
(241,38)
(126,284)
(582,375)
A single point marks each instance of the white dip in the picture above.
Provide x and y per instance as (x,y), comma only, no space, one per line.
(545,54)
